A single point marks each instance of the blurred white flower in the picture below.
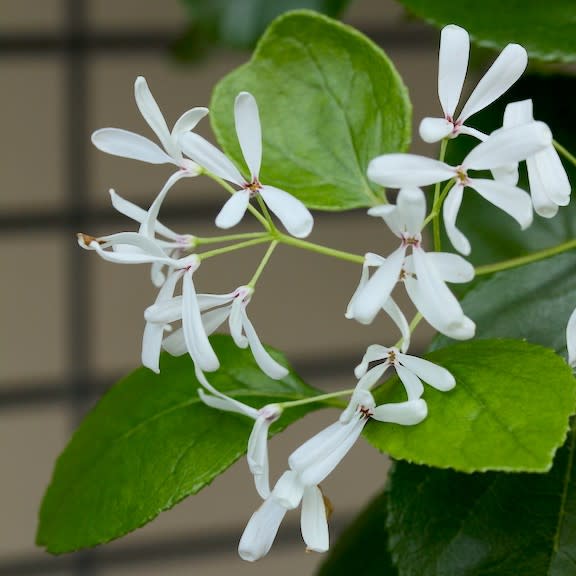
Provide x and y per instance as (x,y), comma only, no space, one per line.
(452,66)
(571,339)
(295,217)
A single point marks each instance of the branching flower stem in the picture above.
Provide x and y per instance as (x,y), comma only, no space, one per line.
(319,398)
(435,213)
(234,247)
(230,238)
(263,263)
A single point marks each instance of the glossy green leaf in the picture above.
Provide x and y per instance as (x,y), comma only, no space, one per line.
(362,549)
(150,442)
(329,100)
(532,302)
(493,234)
(239,23)
(443,523)
(545,29)
(508,411)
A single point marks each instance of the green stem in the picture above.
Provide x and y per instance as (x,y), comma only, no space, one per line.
(231,190)
(528,259)
(340,254)
(230,238)
(264,209)
(438,203)
(415,321)
(319,398)
(262,264)
(226,249)
(570,157)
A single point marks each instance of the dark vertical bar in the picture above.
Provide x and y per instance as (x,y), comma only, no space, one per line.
(78,271)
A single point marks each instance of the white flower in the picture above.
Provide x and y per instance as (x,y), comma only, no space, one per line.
(452,65)
(130,145)
(390,306)
(291,212)
(505,146)
(288,493)
(549,184)
(571,339)
(424,274)
(173,244)
(214,309)
(257,453)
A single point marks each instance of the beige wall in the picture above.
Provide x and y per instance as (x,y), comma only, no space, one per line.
(33,307)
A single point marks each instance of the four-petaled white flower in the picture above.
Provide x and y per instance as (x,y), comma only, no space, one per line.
(503,147)
(549,184)
(424,274)
(452,66)
(130,145)
(213,310)
(295,217)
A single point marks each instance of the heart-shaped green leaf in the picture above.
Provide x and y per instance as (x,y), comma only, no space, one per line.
(442,523)
(329,100)
(509,410)
(150,442)
(545,29)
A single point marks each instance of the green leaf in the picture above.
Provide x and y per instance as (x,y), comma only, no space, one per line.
(443,523)
(532,302)
(493,234)
(509,410)
(545,29)
(362,550)
(150,442)
(239,23)
(329,100)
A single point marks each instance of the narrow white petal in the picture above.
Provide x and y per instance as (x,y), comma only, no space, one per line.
(148,225)
(451,267)
(433,130)
(328,460)
(404,413)
(379,287)
(129,145)
(188,121)
(227,404)
(313,520)
(402,170)
(431,373)
(373,352)
(152,345)
(507,68)
(261,531)
(549,184)
(508,146)
(267,364)
(196,340)
(236,325)
(450,210)
(164,312)
(412,384)
(209,157)
(571,339)
(517,113)
(397,316)
(295,217)
(512,200)
(207,301)
(389,213)
(368,380)
(452,66)
(138,214)
(247,120)
(472,132)
(363,279)
(213,319)
(234,209)
(433,298)
(411,205)
(508,174)
(153,116)
(257,456)
(175,344)
(288,490)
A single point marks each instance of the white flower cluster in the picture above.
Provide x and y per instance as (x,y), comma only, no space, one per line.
(180,323)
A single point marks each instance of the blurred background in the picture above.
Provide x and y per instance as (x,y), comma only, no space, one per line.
(72,324)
